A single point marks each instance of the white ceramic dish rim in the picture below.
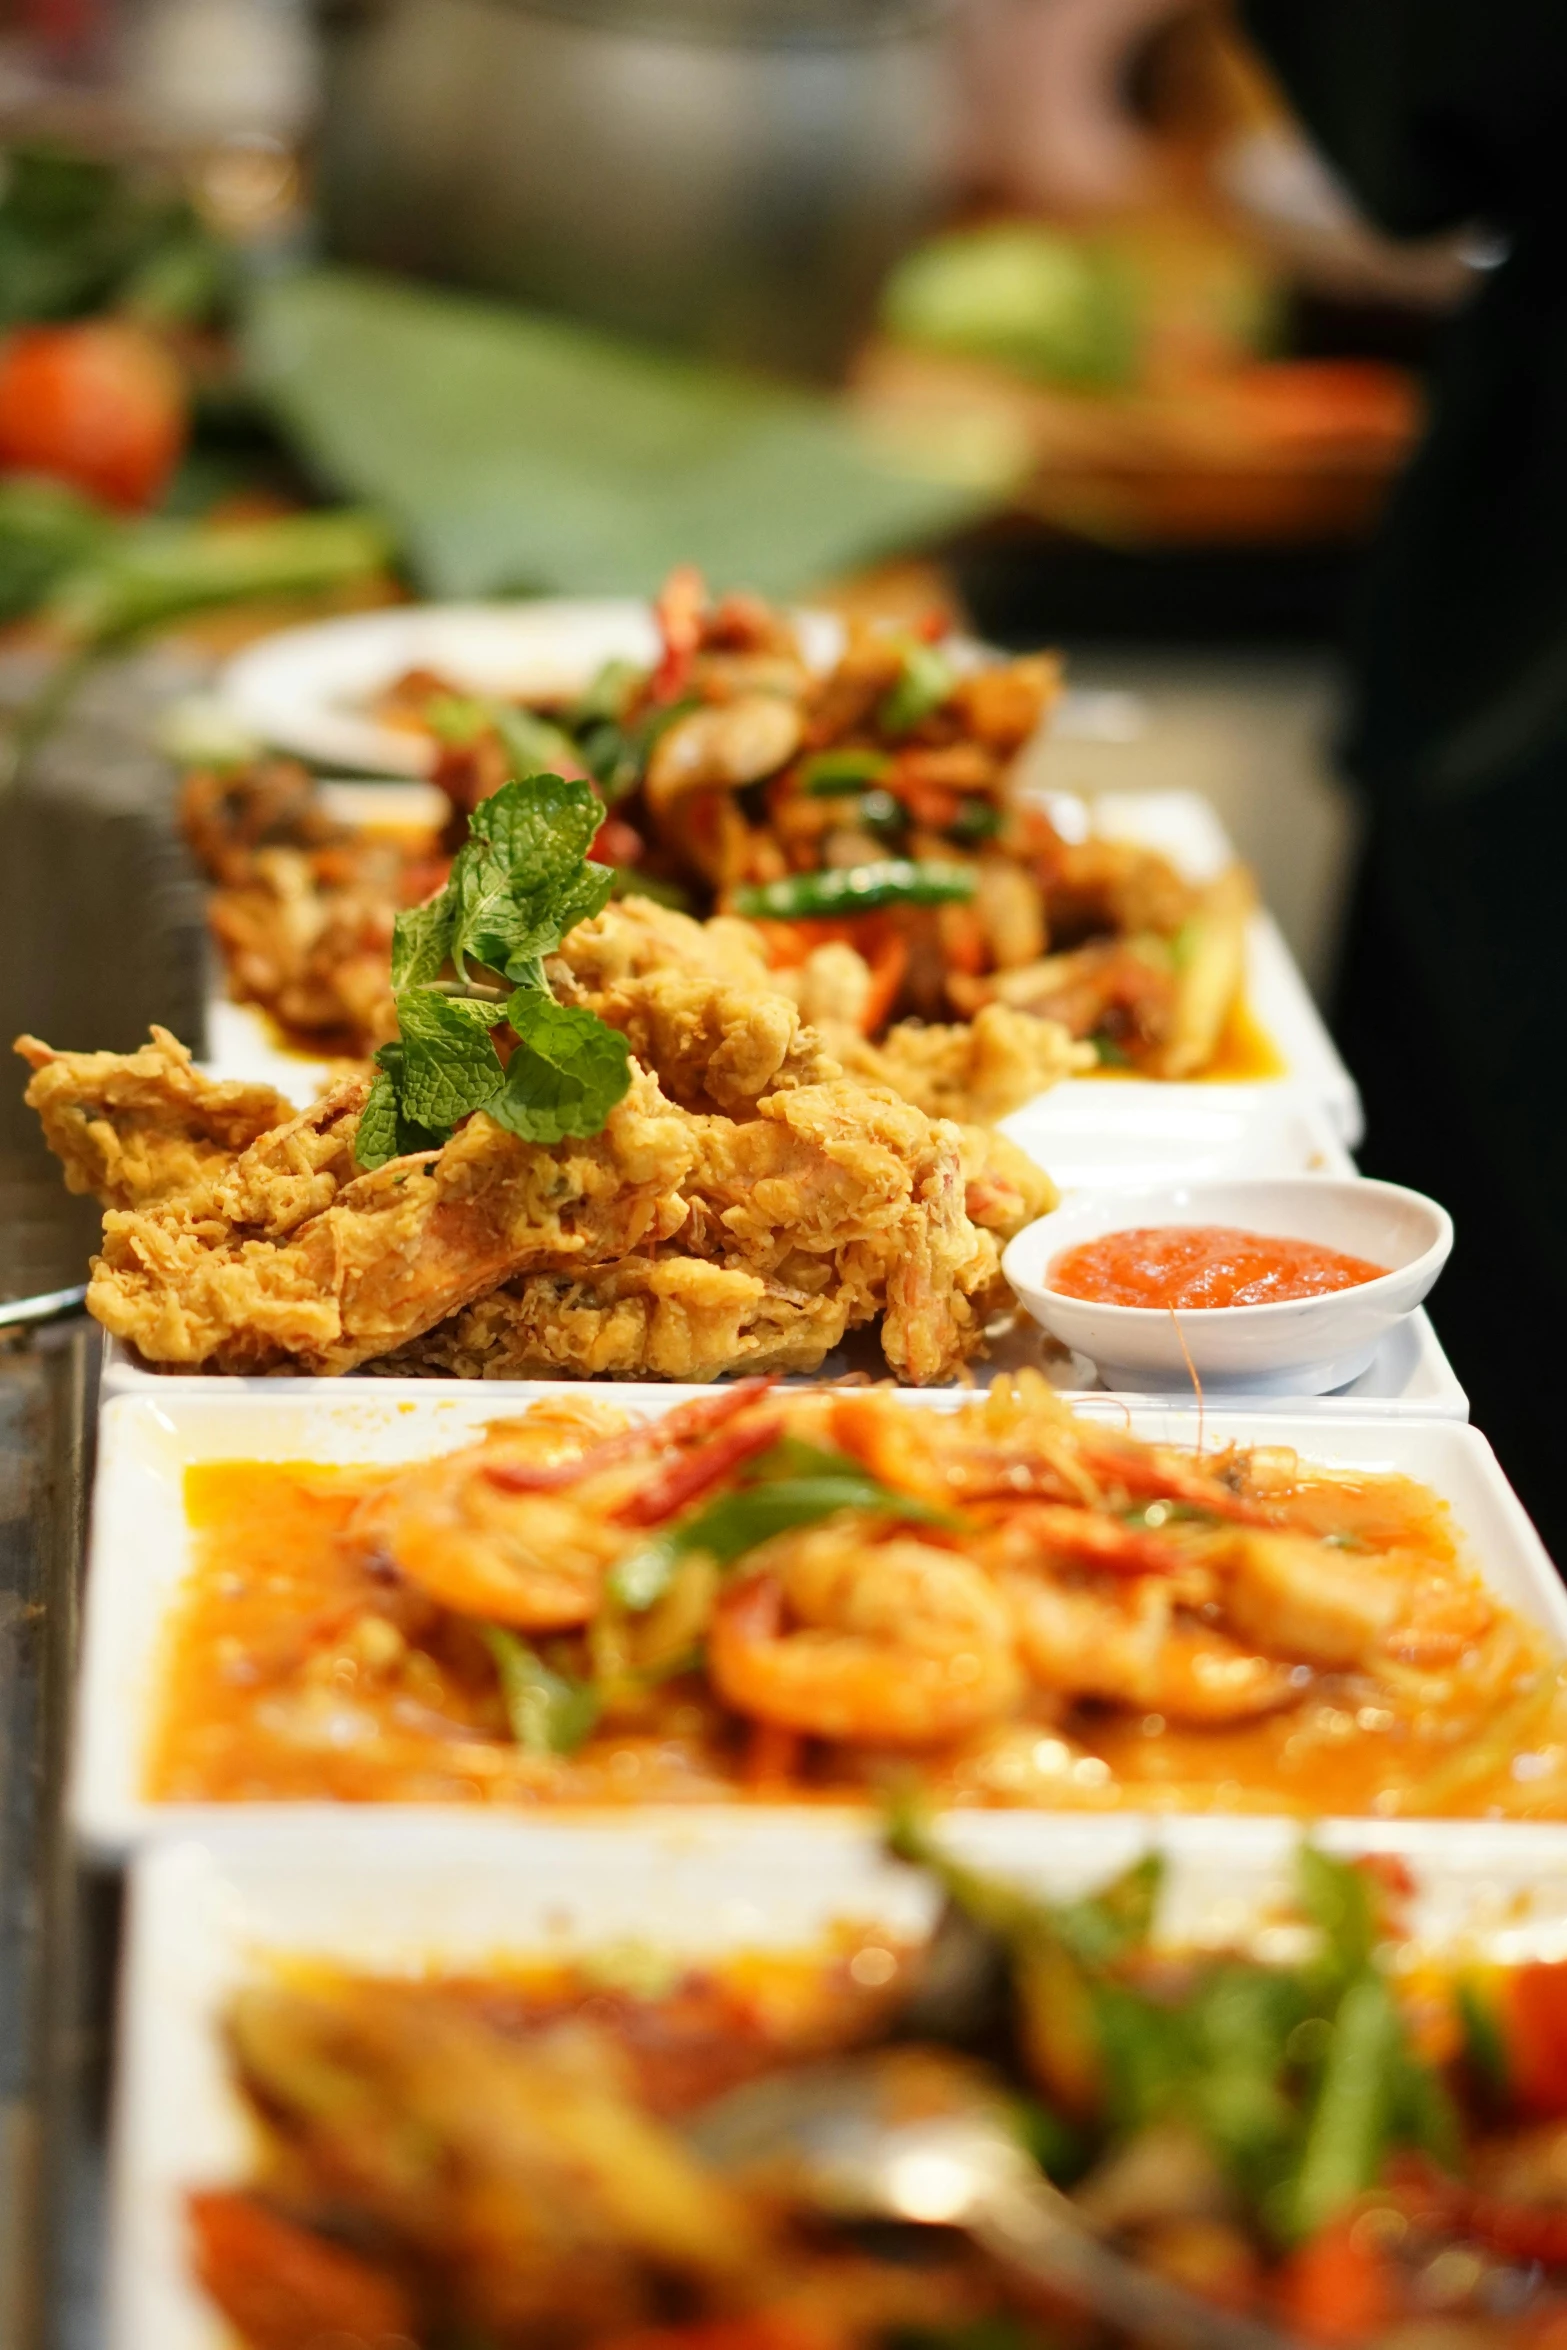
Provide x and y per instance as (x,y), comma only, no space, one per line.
(120,1375)
(137,1556)
(1426,1266)
(199,1924)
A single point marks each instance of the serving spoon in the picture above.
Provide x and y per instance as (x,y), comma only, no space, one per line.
(906,2135)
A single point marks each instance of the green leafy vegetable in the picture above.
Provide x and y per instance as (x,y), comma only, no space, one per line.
(1484,2045)
(791,1484)
(1300,2079)
(449,1065)
(549,1712)
(567,1073)
(519,883)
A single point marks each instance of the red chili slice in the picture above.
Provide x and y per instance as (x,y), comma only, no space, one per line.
(683,1480)
(697,1418)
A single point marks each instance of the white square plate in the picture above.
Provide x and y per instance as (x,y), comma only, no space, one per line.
(206,1916)
(141,1545)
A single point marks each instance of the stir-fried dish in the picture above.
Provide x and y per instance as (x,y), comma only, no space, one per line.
(1349,2147)
(591,1146)
(794,1594)
(867,820)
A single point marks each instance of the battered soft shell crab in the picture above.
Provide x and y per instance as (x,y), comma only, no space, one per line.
(746,1205)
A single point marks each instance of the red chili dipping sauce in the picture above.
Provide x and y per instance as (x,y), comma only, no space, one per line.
(1203,1265)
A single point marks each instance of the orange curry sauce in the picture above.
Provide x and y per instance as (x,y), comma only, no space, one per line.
(294,1670)
(1189,1265)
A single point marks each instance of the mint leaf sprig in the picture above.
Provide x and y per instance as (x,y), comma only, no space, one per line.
(470,963)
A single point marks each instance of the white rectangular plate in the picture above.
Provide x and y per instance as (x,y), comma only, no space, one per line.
(207,1916)
(141,1545)
(1411,1378)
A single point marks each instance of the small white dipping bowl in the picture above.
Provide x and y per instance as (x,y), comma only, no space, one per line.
(1302,1346)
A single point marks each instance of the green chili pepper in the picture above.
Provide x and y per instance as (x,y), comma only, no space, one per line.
(828,773)
(549,1713)
(857,889)
(922,685)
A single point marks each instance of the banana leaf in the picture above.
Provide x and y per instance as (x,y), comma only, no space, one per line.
(514,452)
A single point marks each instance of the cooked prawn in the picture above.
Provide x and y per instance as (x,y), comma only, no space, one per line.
(533,1560)
(897,1645)
(1130,1643)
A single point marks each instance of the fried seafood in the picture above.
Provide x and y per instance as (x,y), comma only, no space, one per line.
(679,1242)
(136,1128)
(302,907)
(878,808)
(637,956)
(791,1590)
(868,821)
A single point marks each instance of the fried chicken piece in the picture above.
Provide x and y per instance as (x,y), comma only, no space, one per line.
(714,1045)
(974,1072)
(139,1127)
(696,1002)
(1094,888)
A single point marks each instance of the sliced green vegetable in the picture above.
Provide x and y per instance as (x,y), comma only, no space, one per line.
(1342,1900)
(616,751)
(549,1712)
(159,570)
(856,889)
(826,774)
(608,692)
(924,681)
(1347,2134)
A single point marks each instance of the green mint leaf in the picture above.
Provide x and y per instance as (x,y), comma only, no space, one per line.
(422,940)
(449,1065)
(376,1139)
(384,1133)
(567,1073)
(520,882)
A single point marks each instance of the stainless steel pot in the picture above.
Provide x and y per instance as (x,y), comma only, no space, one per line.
(733,175)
